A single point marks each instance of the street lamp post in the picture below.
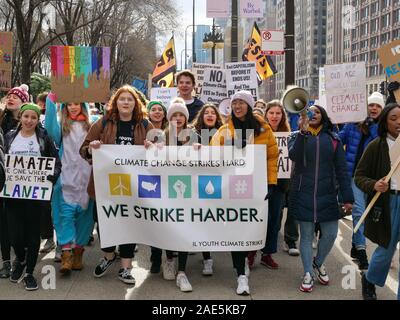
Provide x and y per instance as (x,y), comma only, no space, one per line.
(212,41)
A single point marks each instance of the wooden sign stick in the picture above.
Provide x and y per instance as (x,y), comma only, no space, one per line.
(377,195)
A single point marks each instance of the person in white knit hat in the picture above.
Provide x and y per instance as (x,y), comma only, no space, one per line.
(355,138)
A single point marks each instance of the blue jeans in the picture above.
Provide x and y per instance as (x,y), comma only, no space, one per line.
(329,233)
(275,206)
(358,238)
(379,265)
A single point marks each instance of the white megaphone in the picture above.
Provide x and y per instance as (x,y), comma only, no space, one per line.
(295,100)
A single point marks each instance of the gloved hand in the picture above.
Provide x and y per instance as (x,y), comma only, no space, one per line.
(393,86)
(52,179)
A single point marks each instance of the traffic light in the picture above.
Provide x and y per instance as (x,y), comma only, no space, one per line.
(382,87)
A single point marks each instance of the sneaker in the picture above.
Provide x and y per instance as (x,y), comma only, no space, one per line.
(57,257)
(207,267)
(17,271)
(269,262)
(368,289)
(243,286)
(102,267)
(183,283)
(308,283)
(322,276)
(169,270)
(5,272)
(48,246)
(30,282)
(362,259)
(251,257)
(246,268)
(155,267)
(125,275)
(292,249)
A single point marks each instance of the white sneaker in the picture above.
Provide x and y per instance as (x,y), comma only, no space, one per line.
(307,283)
(183,283)
(322,276)
(243,286)
(169,270)
(208,267)
(246,268)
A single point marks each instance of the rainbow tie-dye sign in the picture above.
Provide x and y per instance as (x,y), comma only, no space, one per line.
(80,74)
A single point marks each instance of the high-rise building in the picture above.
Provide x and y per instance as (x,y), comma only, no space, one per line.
(202,55)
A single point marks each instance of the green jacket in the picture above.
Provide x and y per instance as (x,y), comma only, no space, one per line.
(373,166)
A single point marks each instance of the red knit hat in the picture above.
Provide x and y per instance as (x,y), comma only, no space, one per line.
(21,92)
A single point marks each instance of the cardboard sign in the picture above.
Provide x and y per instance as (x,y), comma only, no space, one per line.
(218,9)
(177,199)
(284,163)
(80,74)
(6,57)
(394,155)
(242,76)
(389,56)
(198,71)
(26,177)
(346,99)
(251,9)
(214,86)
(164,95)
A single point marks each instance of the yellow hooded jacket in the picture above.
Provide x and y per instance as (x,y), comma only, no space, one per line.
(266,137)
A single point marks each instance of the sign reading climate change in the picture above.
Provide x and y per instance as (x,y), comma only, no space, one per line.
(180,199)
(26,177)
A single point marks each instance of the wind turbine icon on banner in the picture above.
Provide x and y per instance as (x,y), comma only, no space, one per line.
(121,187)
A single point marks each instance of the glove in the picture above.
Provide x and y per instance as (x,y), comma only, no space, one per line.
(52,179)
(393,86)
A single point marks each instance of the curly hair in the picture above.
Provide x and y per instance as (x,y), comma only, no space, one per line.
(198,123)
(138,112)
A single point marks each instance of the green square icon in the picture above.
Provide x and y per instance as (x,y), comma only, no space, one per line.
(180,187)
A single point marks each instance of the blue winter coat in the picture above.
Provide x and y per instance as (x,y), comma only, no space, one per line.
(351,137)
(319,165)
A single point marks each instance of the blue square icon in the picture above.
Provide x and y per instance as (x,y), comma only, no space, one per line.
(210,187)
(149,187)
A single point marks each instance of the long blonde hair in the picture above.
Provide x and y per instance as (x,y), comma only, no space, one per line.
(66,121)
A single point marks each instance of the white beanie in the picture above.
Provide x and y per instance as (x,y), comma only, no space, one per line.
(177,105)
(376,97)
(244,95)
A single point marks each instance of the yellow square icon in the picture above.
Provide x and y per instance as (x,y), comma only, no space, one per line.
(120,184)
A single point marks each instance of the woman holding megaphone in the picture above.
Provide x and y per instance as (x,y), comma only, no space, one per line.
(318,165)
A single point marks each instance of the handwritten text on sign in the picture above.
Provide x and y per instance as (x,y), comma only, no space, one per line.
(345,92)
(26,177)
(284,163)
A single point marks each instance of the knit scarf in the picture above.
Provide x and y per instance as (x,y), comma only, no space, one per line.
(316,131)
(79,117)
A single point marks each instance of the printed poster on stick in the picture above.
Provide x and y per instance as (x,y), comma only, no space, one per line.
(345,92)
(198,71)
(242,76)
(26,177)
(80,74)
(6,56)
(394,155)
(389,56)
(214,86)
(284,163)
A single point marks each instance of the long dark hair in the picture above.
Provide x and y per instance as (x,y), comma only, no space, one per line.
(325,120)
(382,124)
(249,123)
(198,123)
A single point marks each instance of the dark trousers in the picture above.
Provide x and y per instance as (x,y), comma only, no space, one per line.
(126,251)
(4,234)
(46,222)
(24,226)
(291,229)
(239,261)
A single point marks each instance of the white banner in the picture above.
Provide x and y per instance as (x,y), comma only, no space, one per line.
(284,163)
(26,177)
(180,199)
(218,9)
(198,71)
(251,9)
(241,76)
(346,92)
(214,86)
(164,95)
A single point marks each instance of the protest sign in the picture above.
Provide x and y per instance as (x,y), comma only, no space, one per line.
(218,9)
(80,74)
(394,155)
(251,9)
(322,88)
(26,177)
(241,76)
(284,163)
(198,71)
(346,99)
(6,53)
(214,86)
(211,200)
(389,56)
(164,95)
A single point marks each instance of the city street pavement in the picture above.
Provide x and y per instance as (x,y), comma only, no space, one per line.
(264,283)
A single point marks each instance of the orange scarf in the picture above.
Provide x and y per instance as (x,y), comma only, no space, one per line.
(79,117)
